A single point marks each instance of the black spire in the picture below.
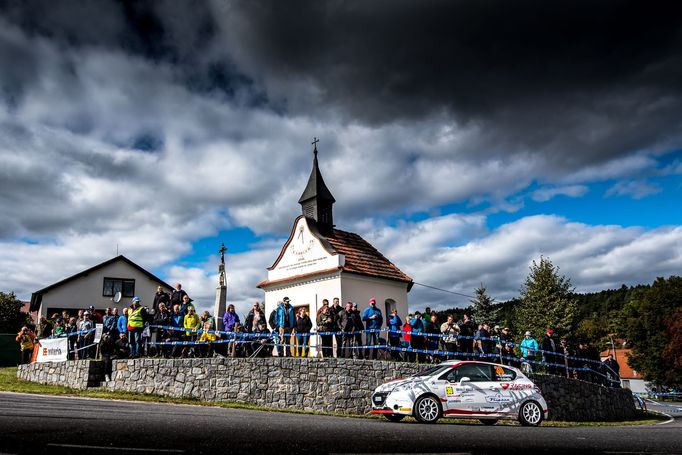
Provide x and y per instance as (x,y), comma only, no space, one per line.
(316,200)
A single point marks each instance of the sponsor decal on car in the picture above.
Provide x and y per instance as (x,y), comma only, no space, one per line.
(512,386)
(498,398)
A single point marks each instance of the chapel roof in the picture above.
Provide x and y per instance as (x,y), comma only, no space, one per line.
(363,258)
(360,256)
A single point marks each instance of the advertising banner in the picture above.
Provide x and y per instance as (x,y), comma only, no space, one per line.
(52,350)
(98,332)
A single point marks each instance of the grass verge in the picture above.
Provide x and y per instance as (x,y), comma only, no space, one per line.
(10,383)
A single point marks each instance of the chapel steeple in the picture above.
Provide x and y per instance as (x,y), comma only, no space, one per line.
(316,200)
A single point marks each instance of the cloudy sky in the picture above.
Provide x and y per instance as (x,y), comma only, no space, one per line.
(464,139)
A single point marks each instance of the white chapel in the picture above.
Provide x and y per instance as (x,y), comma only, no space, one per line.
(320,262)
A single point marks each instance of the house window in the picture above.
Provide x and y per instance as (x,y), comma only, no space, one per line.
(114,285)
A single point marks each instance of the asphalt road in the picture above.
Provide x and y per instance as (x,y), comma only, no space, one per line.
(46,424)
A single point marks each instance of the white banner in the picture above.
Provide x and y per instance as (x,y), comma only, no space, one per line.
(98,332)
(52,350)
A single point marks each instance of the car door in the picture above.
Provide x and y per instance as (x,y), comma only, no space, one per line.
(513,388)
(465,389)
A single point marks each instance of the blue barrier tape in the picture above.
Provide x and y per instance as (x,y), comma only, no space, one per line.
(425,335)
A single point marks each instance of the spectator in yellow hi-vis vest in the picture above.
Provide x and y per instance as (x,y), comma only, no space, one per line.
(26,339)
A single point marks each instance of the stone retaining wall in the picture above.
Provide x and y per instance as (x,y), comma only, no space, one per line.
(78,375)
(580,401)
(327,385)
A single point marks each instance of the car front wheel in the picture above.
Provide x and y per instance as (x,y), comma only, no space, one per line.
(427,409)
(530,414)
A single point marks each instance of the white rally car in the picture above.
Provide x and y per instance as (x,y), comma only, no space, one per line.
(462,389)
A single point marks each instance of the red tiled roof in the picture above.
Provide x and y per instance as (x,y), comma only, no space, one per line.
(363,258)
(360,256)
(626,372)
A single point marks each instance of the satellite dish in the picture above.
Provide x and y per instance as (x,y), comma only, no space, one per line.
(117,297)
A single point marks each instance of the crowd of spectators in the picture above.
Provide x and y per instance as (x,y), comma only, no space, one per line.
(172,328)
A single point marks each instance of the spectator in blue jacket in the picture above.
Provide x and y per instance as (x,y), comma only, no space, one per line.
(286,321)
(373,321)
(122,322)
(177,322)
(395,325)
(529,347)
(417,336)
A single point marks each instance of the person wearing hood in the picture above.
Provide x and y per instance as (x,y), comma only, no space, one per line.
(286,321)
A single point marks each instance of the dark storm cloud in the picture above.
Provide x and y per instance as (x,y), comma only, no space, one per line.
(408,58)
(180,34)
(575,82)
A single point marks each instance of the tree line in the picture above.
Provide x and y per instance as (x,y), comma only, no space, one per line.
(644,318)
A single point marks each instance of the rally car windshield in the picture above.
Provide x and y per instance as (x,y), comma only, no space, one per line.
(432,371)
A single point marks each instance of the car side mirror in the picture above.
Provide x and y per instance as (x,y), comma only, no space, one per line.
(464,379)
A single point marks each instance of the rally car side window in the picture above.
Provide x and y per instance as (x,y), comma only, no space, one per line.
(474,371)
(503,374)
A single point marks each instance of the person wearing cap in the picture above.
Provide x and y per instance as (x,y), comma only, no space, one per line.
(60,329)
(549,349)
(373,320)
(85,336)
(286,321)
(137,315)
(529,346)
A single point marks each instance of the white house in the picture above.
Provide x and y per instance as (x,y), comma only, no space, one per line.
(97,286)
(320,262)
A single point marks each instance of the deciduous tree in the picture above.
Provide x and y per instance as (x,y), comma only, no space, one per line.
(11,316)
(649,320)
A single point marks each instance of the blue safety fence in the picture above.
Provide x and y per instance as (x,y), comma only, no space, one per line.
(426,336)
(273,340)
(248,337)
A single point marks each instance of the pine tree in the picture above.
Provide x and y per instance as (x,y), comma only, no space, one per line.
(547,301)
(484,306)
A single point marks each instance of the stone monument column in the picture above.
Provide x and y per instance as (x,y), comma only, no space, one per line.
(221,291)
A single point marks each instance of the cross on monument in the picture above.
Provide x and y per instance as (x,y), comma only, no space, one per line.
(221,267)
(222,251)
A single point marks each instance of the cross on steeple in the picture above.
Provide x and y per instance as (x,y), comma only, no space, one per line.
(315,141)
(316,200)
